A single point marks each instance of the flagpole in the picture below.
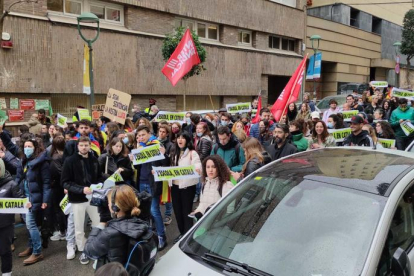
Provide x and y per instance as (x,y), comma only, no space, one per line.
(211,101)
(293,88)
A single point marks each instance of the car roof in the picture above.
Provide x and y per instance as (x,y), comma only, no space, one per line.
(363,169)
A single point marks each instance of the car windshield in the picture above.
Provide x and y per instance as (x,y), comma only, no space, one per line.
(324,103)
(288,225)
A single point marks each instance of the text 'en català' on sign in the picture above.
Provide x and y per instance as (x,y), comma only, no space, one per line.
(174,173)
(170,117)
(340,134)
(239,108)
(13,205)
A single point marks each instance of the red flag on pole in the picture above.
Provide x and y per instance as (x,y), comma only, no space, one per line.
(256,118)
(291,92)
(182,60)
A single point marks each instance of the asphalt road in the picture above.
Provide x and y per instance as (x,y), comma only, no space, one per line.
(55,262)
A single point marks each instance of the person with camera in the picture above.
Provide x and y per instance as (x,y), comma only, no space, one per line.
(111,244)
(79,172)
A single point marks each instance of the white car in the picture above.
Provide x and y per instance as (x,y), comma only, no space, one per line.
(334,211)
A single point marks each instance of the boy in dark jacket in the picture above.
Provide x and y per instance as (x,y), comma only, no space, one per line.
(80,171)
(8,189)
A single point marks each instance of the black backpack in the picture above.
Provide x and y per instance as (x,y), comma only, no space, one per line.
(141,254)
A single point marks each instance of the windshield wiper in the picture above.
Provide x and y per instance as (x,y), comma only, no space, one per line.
(247,270)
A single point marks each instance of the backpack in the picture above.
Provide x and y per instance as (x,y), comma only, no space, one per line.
(236,149)
(141,254)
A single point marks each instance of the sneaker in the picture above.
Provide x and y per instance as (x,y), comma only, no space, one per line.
(167,220)
(195,199)
(162,243)
(95,264)
(71,252)
(7,274)
(83,259)
(58,237)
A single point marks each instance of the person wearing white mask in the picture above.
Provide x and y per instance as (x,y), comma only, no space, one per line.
(225,120)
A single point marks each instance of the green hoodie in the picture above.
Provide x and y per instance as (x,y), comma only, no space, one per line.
(300,142)
(397,115)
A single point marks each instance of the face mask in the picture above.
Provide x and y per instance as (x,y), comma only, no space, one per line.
(175,131)
(330,125)
(244,123)
(188,121)
(28,152)
(199,134)
(359,103)
(125,140)
(224,123)
(403,108)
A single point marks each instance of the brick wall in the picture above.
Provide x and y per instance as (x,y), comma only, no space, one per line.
(163,102)
(149,21)
(39,8)
(229,35)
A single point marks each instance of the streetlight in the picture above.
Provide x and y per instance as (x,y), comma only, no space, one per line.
(397,46)
(88,17)
(314,39)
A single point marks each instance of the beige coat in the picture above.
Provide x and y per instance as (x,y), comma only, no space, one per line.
(34,126)
(210,194)
(188,158)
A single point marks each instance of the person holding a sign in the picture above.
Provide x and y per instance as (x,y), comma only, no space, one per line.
(34,180)
(402,114)
(147,183)
(358,136)
(183,191)
(8,189)
(116,159)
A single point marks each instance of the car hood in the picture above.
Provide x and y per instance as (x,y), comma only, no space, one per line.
(183,265)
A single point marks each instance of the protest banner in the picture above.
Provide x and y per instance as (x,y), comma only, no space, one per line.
(401,93)
(407,127)
(387,143)
(148,154)
(347,115)
(379,84)
(26,104)
(65,205)
(170,117)
(16,115)
(94,187)
(116,107)
(110,181)
(61,120)
(97,111)
(239,108)
(339,134)
(42,104)
(13,205)
(174,173)
(84,114)
(3,104)
(14,103)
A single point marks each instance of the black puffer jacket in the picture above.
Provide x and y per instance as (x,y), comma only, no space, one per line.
(111,243)
(204,146)
(8,189)
(115,162)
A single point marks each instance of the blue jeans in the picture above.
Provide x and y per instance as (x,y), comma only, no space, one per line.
(35,242)
(168,209)
(155,209)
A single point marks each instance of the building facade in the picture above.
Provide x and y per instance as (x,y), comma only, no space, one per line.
(357,46)
(252,46)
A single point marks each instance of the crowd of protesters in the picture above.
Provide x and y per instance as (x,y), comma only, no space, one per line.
(49,162)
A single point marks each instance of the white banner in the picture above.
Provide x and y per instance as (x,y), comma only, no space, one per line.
(401,93)
(147,154)
(65,205)
(174,173)
(13,205)
(170,117)
(239,108)
(379,84)
(407,127)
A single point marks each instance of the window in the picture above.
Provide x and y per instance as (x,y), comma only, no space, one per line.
(105,11)
(291,3)
(245,37)
(401,233)
(281,43)
(202,29)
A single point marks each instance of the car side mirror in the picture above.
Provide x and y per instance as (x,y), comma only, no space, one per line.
(400,264)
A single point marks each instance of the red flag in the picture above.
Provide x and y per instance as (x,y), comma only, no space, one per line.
(256,118)
(291,92)
(182,60)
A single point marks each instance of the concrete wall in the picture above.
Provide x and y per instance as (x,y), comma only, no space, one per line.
(364,21)
(336,13)
(390,33)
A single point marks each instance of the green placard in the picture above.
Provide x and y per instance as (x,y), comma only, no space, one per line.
(14,103)
(42,104)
